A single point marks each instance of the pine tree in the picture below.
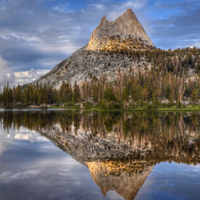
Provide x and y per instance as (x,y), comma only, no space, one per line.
(95,93)
(76,93)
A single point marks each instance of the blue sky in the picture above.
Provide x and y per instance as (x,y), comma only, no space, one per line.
(36,35)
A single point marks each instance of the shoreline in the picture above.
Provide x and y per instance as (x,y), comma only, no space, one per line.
(190,108)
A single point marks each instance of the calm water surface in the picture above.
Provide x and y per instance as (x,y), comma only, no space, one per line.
(98,155)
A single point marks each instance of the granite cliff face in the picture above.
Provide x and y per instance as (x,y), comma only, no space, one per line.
(104,56)
(126,27)
(84,65)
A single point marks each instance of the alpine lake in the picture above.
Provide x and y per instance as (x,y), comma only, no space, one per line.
(97,155)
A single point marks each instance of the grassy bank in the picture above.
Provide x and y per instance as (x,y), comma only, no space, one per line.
(188,108)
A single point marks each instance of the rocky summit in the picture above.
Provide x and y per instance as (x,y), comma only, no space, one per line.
(126,27)
(105,55)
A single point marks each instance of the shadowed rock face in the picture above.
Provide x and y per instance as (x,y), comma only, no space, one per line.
(125,27)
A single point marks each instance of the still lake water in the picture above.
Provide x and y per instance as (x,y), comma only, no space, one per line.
(73,155)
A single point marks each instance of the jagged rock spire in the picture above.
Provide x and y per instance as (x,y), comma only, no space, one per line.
(124,27)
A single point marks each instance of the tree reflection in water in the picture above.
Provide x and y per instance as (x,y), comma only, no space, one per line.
(120,149)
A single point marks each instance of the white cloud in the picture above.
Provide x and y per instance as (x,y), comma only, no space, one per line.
(3,142)
(3,68)
(6,74)
(20,175)
(135,5)
(31,136)
(113,195)
(63,7)
(32,73)
(28,76)
(115,11)
(196,44)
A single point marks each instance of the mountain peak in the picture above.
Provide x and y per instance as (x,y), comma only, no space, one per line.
(129,12)
(124,28)
(103,19)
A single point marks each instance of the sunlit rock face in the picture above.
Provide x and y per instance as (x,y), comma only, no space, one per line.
(125,28)
(126,178)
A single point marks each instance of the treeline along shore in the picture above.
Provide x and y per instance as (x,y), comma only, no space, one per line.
(171,82)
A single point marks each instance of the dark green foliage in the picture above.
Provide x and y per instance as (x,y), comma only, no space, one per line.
(111,120)
(76,93)
(152,106)
(125,93)
(102,104)
(66,92)
(77,106)
(109,95)
(179,105)
(69,105)
(87,105)
(95,93)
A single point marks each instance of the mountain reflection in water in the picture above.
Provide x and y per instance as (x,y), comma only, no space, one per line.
(119,149)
